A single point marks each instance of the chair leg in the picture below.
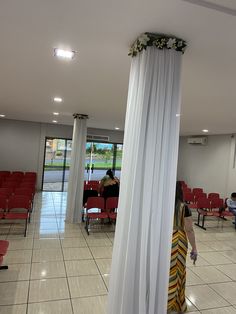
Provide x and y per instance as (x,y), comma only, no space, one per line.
(87,225)
(26,221)
(3,267)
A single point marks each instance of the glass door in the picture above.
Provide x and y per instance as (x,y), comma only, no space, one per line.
(56,164)
(99,158)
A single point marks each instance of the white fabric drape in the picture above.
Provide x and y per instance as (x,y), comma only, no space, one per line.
(76,176)
(141,254)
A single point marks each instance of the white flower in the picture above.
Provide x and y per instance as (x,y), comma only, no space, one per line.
(171,43)
(143,39)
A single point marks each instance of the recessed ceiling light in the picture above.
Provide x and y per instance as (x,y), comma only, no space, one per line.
(205,131)
(2,115)
(65,54)
(56,113)
(57,99)
(54,121)
(116,128)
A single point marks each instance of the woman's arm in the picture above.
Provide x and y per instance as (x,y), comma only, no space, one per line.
(188,223)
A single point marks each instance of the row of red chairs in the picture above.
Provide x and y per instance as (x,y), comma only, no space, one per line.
(99,208)
(3,250)
(9,208)
(211,207)
(18,173)
(91,185)
(15,179)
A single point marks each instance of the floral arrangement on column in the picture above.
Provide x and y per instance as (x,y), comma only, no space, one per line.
(157,40)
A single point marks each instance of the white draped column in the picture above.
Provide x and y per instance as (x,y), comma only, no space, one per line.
(141,255)
(76,176)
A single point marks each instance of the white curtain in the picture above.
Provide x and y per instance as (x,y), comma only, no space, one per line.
(141,255)
(76,176)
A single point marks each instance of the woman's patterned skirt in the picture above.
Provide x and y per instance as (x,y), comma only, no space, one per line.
(176,294)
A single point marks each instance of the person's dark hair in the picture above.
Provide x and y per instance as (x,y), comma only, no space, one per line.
(110,173)
(233,195)
(178,193)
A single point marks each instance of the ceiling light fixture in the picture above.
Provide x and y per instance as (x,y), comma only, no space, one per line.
(116,128)
(65,54)
(57,99)
(56,113)
(2,115)
(54,121)
(178,114)
(205,131)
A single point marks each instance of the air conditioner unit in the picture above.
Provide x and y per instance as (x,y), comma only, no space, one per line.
(197,140)
(98,138)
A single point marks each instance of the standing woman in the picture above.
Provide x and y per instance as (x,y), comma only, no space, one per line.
(182,230)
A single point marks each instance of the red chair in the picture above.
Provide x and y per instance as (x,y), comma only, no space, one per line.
(198,195)
(17,174)
(3,250)
(189,197)
(197,190)
(186,190)
(95,209)
(5,173)
(217,203)
(24,191)
(3,206)
(17,202)
(111,207)
(213,195)
(10,184)
(6,192)
(204,209)
(27,185)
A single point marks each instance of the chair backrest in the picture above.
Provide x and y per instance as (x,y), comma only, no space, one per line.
(213,195)
(28,185)
(217,203)
(19,201)
(186,190)
(87,194)
(24,191)
(197,190)
(5,173)
(18,173)
(96,202)
(203,202)
(199,195)
(30,174)
(10,184)
(6,191)
(189,197)
(3,203)
(111,202)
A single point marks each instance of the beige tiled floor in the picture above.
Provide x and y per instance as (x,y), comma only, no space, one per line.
(59,269)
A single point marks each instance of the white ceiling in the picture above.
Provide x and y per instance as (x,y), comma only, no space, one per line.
(96,81)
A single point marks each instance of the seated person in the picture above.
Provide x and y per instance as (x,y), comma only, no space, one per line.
(109,185)
(231,204)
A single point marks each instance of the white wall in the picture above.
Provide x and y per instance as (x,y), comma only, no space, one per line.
(210,166)
(22,143)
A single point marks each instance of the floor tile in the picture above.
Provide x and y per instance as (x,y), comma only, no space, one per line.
(73,242)
(48,290)
(228,270)
(99,242)
(104,265)
(47,255)
(46,243)
(76,253)
(43,270)
(85,286)
(91,305)
(223,310)
(215,258)
(20,244)
(226,290)
(14,292)
(81,267)
(13,309)
(18,256)
(210,274)
(192,279)
(15,272)
(52,307)
(230,255)
(102,252)
(203,297)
